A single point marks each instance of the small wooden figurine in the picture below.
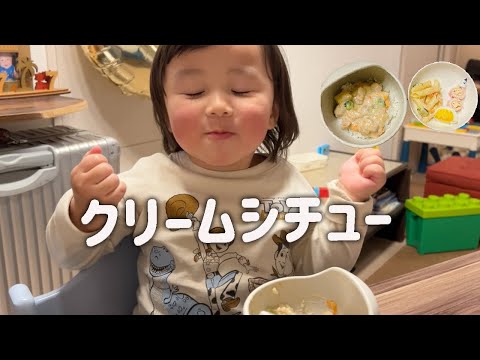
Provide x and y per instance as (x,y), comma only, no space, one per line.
(45,80)
(27,69)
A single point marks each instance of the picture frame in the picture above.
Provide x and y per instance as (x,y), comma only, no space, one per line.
(8,62)
(9,55)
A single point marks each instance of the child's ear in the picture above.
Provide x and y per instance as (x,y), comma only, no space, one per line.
(273,117)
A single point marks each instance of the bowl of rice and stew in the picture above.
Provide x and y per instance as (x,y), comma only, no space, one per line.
(362,104)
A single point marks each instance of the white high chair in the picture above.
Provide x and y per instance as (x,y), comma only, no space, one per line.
(107,287)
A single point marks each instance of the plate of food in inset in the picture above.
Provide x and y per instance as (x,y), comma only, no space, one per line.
(442,96)
(363,104)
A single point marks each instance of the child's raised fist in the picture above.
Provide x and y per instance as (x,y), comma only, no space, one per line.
(93,178)
(363,174)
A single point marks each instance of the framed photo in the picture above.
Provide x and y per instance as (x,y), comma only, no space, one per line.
(9,69)
(8,62)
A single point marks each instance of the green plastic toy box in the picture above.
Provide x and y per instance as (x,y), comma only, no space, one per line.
(443,223)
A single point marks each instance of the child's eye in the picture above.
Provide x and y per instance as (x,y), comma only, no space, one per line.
(194,95)
(240,92)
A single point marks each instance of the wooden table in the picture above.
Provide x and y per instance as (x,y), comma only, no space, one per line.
(451,287)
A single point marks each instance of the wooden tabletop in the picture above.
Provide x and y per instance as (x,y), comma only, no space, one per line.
(451,287)
(43,107)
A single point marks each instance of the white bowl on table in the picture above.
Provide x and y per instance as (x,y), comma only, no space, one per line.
(350,294)
(362,71)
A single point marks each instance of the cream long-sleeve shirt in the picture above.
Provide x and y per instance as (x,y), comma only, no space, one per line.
(178,273)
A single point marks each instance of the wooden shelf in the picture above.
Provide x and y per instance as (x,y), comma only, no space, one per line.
(44,107)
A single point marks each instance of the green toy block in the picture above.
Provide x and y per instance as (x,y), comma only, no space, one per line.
(446,223)
(443,206)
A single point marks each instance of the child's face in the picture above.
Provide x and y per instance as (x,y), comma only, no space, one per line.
(5,61)
(220,104)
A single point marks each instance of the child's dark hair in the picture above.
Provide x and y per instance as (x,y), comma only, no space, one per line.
(276,141)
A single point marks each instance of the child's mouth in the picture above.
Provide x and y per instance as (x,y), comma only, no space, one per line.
(219,135)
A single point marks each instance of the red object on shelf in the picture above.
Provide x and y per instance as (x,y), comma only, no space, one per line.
(452,176)
(41,79)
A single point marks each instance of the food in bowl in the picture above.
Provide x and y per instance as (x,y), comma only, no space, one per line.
(285,309)
(442,96)
(362,72)
(362,107)
(457,95)
(304,309)
(445,114)
(427,96)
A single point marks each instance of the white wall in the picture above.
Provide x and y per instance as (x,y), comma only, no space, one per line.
(38,53)
(467,52)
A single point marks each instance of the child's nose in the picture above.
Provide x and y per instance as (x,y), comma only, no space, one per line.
(219,106)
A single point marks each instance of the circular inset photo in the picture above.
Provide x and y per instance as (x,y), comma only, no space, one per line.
(362,104)
(442,96)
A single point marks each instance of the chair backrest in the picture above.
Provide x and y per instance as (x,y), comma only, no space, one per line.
(473,68)
(107,287)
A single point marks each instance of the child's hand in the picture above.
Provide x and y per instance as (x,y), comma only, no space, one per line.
(363,174)
(93,178)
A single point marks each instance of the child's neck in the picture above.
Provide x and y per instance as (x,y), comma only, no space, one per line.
(241,165)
